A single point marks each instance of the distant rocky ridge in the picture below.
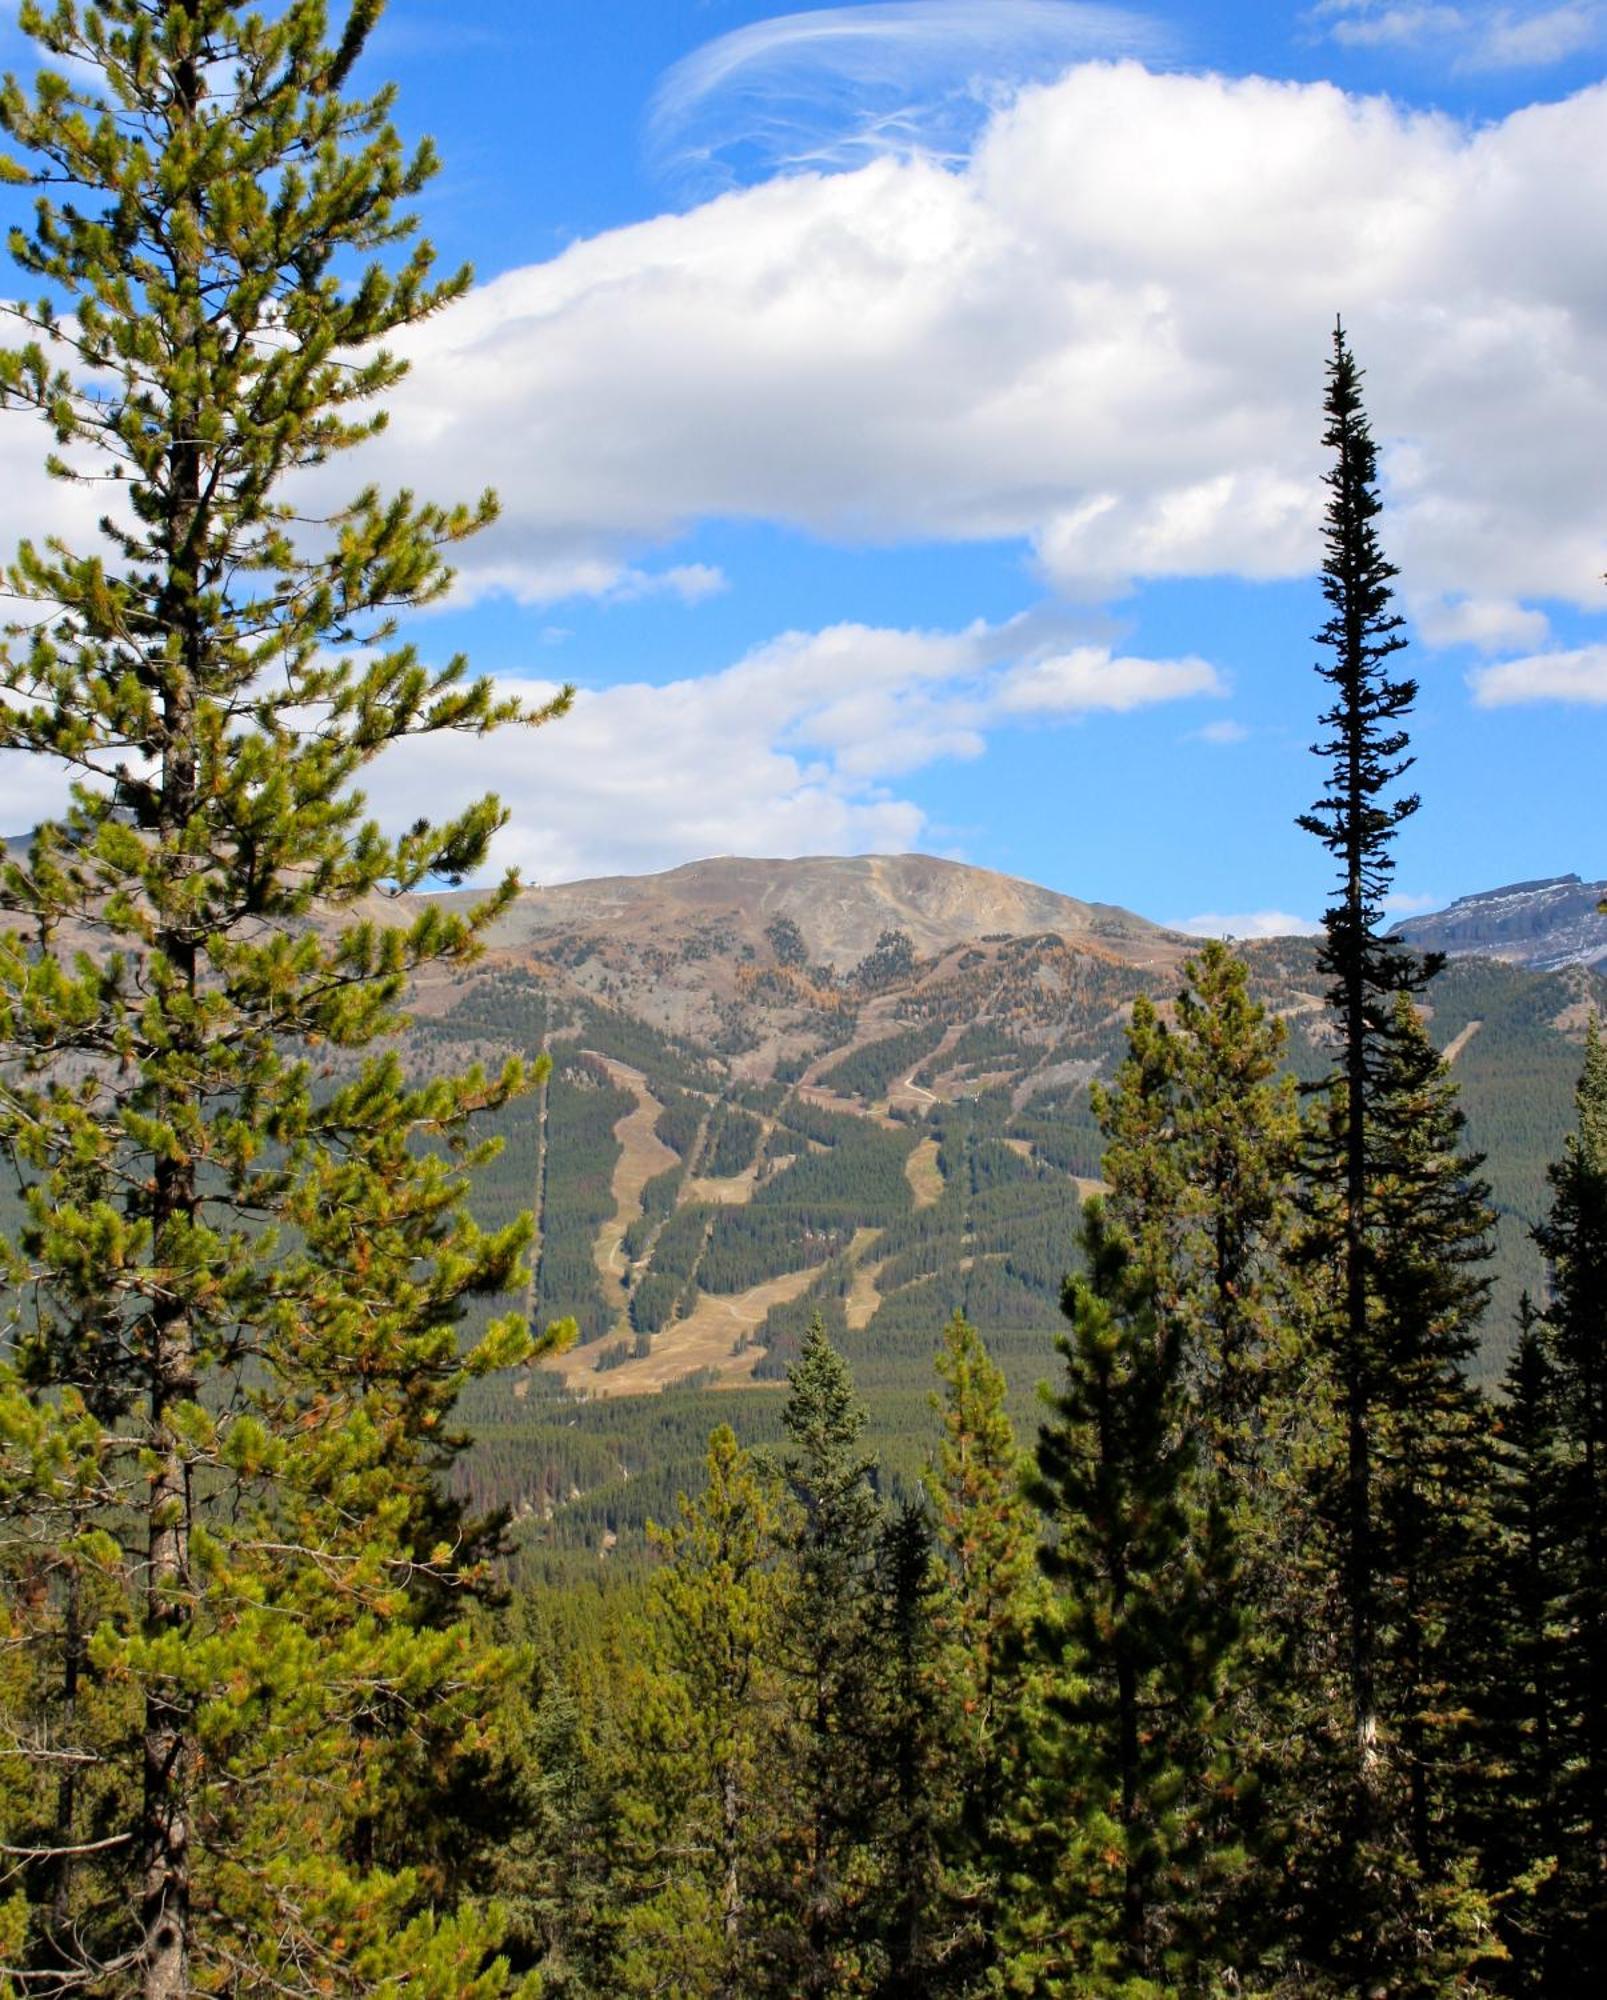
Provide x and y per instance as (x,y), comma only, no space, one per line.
(1542,925)
(841,906)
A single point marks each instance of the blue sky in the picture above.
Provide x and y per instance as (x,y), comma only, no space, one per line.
(906,417)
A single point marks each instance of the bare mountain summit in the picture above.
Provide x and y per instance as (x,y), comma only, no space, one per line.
(840,905)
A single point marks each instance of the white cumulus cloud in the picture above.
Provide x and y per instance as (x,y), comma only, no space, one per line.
(1248,924)
(1577,675)
(1492,624)
(1103,334)
(1089,679)
(794,749)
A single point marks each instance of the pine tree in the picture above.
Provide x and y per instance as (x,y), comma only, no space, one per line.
(1356,820)
(832,1691)
(1574,1240)
(913,1754)
(703,1724)
(1515,1815)
(236,1474)
(1204,1133)
(1430,1225)
(1129,1759)
(1237,1140)
(1143,1163)
(992,1592)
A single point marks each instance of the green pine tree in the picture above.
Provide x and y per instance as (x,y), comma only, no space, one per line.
(1236,1146)
(1128,1758)
(1356,820)
(270,1246)
(703,1726)
(982,1678)
(1204,1135)
(1574,1240)
(1143,1162)
(825,1892)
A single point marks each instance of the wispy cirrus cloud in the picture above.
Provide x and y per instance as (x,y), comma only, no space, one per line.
(838,86)
(1474,35)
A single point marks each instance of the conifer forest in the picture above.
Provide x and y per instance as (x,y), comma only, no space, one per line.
(1022,1464)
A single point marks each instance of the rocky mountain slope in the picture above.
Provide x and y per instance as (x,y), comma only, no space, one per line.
(841,905)
(1553,922)
(861,1086)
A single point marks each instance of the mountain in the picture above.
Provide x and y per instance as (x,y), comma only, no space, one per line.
(841,906)
(1553,922)
(761,961)
(858,1087)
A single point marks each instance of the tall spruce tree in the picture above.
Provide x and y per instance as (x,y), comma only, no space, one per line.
(1574,1240)
(241,1275)
(703,1728)
(1128,1758)
(1397,1231)
(1356,820)
(981,1674)
(1516,1815)
(825,1894)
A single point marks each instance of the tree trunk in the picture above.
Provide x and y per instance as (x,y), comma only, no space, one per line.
(166,1815)
(731,1880)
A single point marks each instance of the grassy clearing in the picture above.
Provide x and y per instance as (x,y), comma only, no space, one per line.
(924,1174)
(642,1155)
(704,1339)
(731,1190)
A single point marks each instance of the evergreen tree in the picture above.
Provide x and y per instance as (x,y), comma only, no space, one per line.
(987,1540)
(1574,1240)
(703,1725)
(1356,820)
(1430,1224)
(236,1474)
(1516,1811)
(1204,1132)
(832,1682)
(913,1753)
(1237,1136)
(1128,1754)
(1143,1163)
(1396,1232)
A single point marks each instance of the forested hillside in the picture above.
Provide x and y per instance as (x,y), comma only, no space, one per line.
(880,1152)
